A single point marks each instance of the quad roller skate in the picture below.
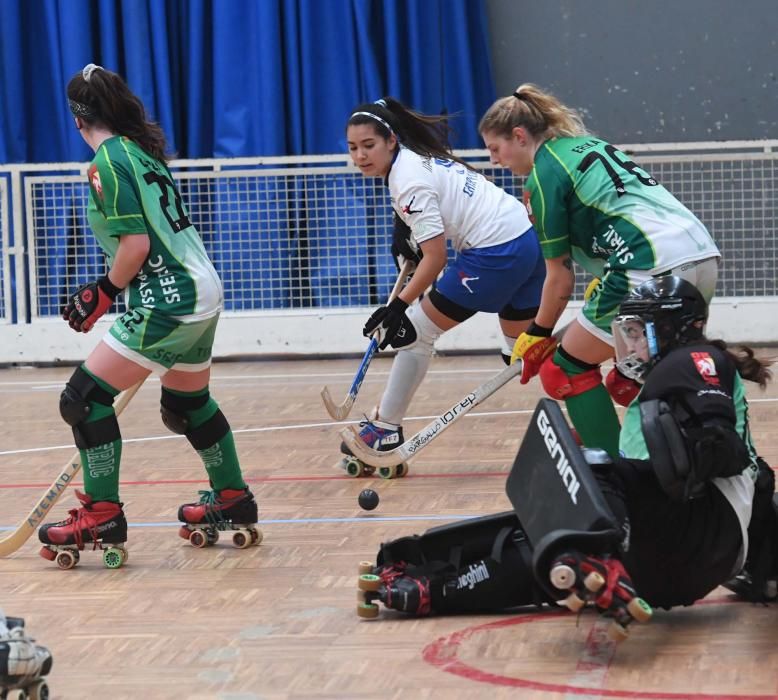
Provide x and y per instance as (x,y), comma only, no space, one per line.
(394,587)
(379,436)
(231,510)
(22,663)
(101,523)
(603,581)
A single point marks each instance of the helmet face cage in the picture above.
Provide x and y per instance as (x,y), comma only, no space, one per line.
(635,344)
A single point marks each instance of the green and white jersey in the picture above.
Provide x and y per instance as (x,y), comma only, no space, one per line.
(132,193)
(589,200)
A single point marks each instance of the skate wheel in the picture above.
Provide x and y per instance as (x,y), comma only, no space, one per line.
(212,536)
(388,472)
(39,691)
(256,535)
(48,553)
(367,611)
(125,555)
(369,582)
(617,632)
(594,581)
(640,610)
(241,540)
(365,567)
(66,559)
(573,602)
(352,466)
(562,577)
(113,558)
(184,532)
(198,539)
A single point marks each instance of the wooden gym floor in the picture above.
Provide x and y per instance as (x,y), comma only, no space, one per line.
(278,620)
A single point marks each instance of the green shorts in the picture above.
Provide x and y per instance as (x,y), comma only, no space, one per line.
(602,306)
(160,342)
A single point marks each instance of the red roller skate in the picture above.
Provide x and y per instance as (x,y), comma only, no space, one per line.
(603,581)
(101,523)
(234,510)
(394,587)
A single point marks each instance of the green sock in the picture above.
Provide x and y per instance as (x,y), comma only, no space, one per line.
(220,459)
(101,464)
(592,413)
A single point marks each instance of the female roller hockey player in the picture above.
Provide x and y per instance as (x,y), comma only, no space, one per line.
(589,203)
(437,197)
(173,306)
(670,528)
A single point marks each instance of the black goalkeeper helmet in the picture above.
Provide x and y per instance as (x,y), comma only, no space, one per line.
(656,317)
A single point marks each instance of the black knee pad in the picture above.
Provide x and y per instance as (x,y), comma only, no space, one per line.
(175,411)
(75,405)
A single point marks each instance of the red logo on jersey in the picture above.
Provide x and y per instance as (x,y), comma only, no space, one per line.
(526,197)
(94,180)
(706,367)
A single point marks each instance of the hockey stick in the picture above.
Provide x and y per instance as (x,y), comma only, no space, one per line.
(425,436)
(8,545)
(339,412)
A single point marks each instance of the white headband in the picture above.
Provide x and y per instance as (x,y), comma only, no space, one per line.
(376,117)
(89,69)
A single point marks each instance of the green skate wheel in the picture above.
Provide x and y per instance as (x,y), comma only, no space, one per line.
(369,582)
(113,557)
(352,466)
(367,611)
(388,472)
(640,610)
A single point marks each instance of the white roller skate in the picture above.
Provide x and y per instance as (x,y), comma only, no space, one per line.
(379,436)
(22,663)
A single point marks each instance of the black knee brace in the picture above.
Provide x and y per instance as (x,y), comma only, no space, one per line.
(176,415)
(75,405)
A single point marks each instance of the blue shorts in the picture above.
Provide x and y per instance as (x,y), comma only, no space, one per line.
(488,279)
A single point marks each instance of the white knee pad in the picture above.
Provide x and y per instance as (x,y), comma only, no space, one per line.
(409,367)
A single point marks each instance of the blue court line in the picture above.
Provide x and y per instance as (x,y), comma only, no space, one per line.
(294,521)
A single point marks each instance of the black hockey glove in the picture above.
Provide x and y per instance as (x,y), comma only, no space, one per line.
(89,303)
(403,245)
(388,320)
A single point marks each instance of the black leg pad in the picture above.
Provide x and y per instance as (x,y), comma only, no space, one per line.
(556,495)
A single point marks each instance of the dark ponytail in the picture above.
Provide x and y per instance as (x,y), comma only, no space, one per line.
(425,134)
(104,98)
(749,366)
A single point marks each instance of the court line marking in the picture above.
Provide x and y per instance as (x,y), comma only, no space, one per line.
(443,653)
(271,428)
(313,521)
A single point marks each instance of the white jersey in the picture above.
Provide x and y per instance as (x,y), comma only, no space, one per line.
(435,196)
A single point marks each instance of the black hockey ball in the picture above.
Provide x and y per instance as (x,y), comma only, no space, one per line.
(368,499)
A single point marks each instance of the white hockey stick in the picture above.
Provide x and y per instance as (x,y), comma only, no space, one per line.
(340,411)
(425,436)
(8,545)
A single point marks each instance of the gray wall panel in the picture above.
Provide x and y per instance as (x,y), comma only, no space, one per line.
(695,70)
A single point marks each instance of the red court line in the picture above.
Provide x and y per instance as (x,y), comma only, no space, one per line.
(156,482)
(443,653)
